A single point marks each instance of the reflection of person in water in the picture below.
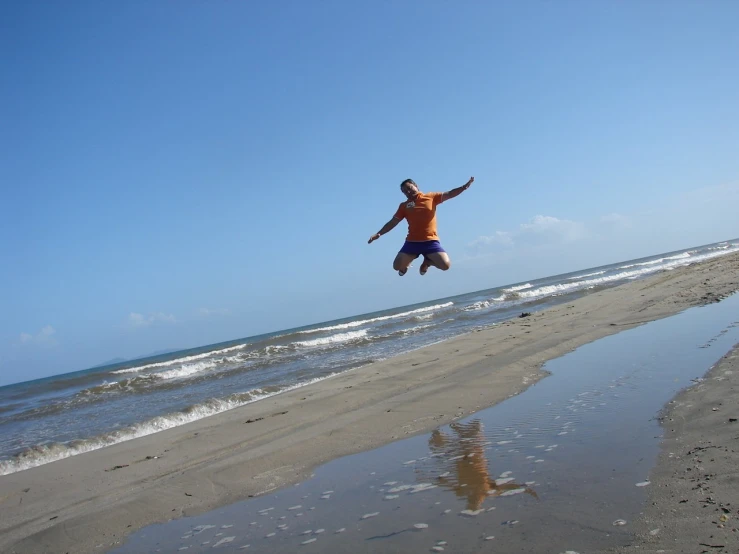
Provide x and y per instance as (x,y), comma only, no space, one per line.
(463,455)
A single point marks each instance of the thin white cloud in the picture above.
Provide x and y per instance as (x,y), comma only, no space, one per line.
(500,237)
(541,229)
(137,320)
(141,320)
(207,312)
(45,337)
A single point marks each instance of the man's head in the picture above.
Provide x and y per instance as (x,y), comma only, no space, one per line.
(409,188)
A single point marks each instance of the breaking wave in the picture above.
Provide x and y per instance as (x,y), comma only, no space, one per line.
(185,371)
(586,275)
(46,453)
(483,304)
(682,256)
(333,339)
(361,322)
(518,288)
(182,360)
(647,267)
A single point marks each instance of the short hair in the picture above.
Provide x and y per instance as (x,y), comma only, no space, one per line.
(407,182)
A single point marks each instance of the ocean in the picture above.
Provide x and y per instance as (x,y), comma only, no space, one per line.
(48,419)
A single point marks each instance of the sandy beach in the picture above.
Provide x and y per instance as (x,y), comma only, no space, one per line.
(90,502)
(693,503)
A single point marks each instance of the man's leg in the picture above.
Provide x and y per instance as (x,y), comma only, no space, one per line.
(439,260)
(402,262)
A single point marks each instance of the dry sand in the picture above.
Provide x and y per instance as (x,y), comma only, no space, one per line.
(90,502)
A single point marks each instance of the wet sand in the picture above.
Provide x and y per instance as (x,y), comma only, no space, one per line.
(693,505)
(92,501)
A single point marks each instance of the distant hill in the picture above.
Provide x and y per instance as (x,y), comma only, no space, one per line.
(159,353)
(150,355)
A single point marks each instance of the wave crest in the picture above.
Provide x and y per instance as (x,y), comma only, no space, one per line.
(182,360)
(333,339)
(518,288)
(45,453)
(352,324)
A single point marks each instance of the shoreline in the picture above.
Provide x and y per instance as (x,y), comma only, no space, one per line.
(692,503)
(90,502)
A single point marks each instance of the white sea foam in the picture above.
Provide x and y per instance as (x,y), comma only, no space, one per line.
(274,348)
(127,384)
(423,317)
(518,288)
(415,329)
(182,360)
(648,267)
(333,339)
(107,387)
(680,256)
(482,304)
(184,371)
(351,324)
(114,384)
(46,453)
(586,275)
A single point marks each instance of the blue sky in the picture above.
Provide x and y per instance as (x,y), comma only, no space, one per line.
(181,173)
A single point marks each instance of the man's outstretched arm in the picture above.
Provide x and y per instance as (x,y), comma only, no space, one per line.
(457,191)
(389,226)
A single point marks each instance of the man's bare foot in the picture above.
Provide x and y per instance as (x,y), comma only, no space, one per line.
(425,266)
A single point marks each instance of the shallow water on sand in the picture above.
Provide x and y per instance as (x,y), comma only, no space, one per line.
(562,466)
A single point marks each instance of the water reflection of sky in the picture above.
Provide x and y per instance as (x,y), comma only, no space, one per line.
(553,468)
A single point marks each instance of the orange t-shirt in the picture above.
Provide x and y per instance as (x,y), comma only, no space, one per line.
(421,216)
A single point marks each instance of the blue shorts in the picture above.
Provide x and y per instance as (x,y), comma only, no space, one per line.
(423,247)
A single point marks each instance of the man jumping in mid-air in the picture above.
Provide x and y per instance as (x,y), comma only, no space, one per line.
(420,212)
